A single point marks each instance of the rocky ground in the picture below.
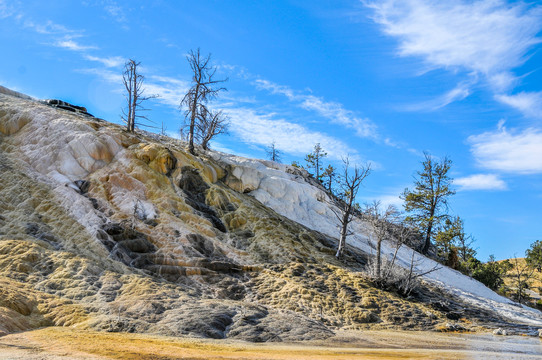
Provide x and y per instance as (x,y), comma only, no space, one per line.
(101,229)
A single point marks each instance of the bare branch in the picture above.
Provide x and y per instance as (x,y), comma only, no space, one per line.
(133,84)
(350,184)
(203,89)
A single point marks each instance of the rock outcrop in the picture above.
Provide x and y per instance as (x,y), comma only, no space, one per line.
(116,231)
(67,106)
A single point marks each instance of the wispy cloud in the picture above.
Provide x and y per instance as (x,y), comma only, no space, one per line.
(107,75)
(170,90)
(116,11)
(50,28)
(460,92)
(510,151)
(73,45)
(110,62)
(480,182)
(254,127)
(225,149)
(60,35)
(390,200)
(487,37)
(6,10)
(529,103)
(330,110)
(119,13)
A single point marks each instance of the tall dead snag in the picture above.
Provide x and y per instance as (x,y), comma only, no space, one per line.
(350,183)
(210,124)
(204,88)
(133,83)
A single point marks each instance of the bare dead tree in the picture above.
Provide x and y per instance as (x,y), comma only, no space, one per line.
(204,88)
(350,183)
(273,153)
(135,95)
(412,278)
(381,222)
(211,124)
(401,233)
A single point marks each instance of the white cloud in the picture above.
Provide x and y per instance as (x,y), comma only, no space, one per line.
(50,28)
(460,92)
(339,115)
(249,124)
(170,90)
(217,146)
(487,37)
(73,45)
(331,110)
(115,10)
(529,103)
(262,129)
(5,10)
(107,75)
(62,36)
(457,94)
(275,88)
(113,61)
(117,13)
(509,151)
(390,200)
(480,182)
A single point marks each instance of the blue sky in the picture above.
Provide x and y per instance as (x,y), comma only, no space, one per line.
(380,81)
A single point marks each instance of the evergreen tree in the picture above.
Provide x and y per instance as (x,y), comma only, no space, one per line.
(314,161)
(464,246)
(273,153)
(445,240)
(296,165)
(329,176)
(491,274)
(452,237)
(533,255)
(429,198)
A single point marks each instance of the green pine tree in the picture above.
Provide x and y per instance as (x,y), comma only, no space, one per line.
(314,161)
(427,202)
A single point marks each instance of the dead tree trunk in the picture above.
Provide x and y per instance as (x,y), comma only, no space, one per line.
(133,84)
(203,89)
(350,184)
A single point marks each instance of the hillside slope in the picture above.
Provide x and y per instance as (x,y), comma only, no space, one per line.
(108,230)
